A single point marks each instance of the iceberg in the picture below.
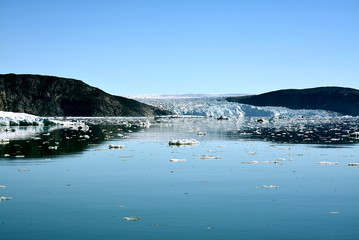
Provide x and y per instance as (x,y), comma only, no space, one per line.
(25,119)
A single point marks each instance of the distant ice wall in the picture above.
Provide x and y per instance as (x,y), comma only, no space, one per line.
(217,106)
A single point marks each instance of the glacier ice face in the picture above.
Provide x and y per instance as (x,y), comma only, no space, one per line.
(218,106)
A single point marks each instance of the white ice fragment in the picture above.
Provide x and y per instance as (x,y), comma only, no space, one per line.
(353,164)
(269,186)
(206,157)
(252,162)
(2,186)
(131,218)
(23,170)
(53,147)
(327,163)
(178,160)
(354,135)
(275,162)
(183,142)
(112,146)
(4,141)
(5,198)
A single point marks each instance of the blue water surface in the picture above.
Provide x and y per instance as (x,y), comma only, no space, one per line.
(87,195)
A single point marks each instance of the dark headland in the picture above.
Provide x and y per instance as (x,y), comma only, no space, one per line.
(56,96)
(336,99)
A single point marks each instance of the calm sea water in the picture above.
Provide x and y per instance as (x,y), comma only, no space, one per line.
(84,190)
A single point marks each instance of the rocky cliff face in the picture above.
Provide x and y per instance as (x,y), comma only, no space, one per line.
(336,99)
(55,96)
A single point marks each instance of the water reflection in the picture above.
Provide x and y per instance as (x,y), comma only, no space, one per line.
(34,142)
(49,141)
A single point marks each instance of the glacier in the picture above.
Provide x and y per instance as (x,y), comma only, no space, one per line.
(215,105)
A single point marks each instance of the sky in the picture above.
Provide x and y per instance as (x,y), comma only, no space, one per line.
(128,47)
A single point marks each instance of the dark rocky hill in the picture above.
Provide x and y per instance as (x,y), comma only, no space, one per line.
(336,99)
(55,96)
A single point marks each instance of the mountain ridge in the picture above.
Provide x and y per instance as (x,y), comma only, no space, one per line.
(44,95)
(336,99)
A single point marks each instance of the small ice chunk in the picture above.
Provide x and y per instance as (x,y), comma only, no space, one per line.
(251,162)
(131,218)
(2,186)
(112,146)
(327,163)
(251,153)
(5,198)
(178,160)
(23,170)
(275,162)
(353,164)
(178,142)
(206,157)
(53,147)
(269,186)
(354,135)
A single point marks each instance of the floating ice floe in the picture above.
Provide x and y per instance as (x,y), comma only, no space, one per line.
(131,218)
(353,164)
(327,163)
(112,146)
(23,170)
(2,186)
(178,160)
(251,162)
(5,198)
(201,133)
(207,157)
(269,186)
(178,142)
(24,119)
(274,162)
(354,135)
(4,141)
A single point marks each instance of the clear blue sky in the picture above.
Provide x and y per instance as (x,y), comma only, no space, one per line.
(184,46)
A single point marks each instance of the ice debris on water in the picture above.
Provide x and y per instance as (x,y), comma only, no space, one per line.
(5,198)
(178,160)
(353,164)
(354,135)
(327,163)
(131,218)
(2,186)
(201,133)
(177,142)
(207,157)
(23,170)
(251,162)
(112,146)
(269,186)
